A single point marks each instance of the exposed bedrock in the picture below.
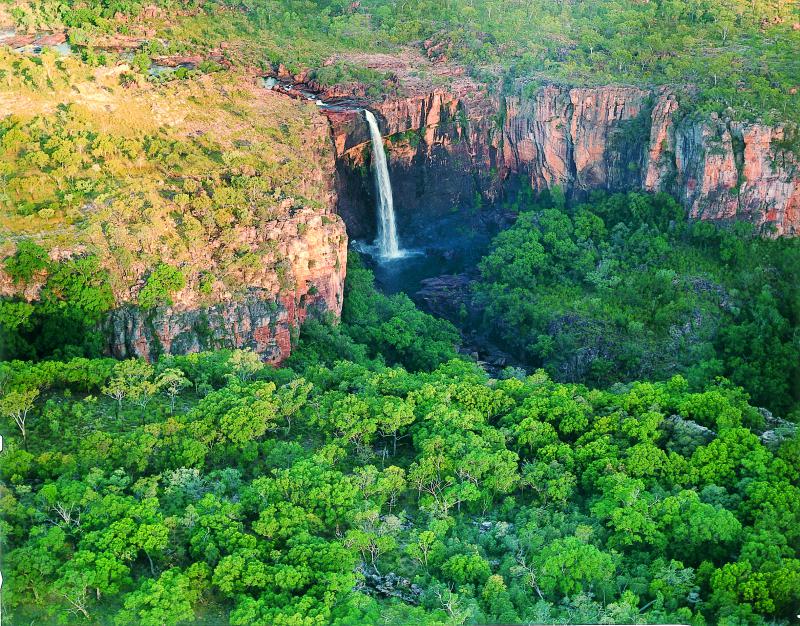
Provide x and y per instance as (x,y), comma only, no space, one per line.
(267,309)
(444,148)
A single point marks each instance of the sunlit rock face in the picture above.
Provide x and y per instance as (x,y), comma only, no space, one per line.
(579,139)
(445,147)
(730,170)
(313,245)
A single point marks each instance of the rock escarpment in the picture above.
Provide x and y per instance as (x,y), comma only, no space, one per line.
(446,147)
(298,255)
(264,314)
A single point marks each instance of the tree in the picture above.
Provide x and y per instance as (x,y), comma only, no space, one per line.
(550,481)
(466,568)
(497,600)
(131,379)
(245,364)
(35,563)
(116,389)
(29,260)
(170,599)
(424,545)
(570,565)
(391,483)
(291,398)
(694,528)
(372,538)
(394,414)
(172,381)
(16,404)
(163,281)
(626,508)
(249,421)
(352,419)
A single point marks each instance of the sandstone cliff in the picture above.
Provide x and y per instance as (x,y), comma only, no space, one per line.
(267,309)
(444,147)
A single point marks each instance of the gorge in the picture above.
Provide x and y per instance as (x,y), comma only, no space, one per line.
(438,170)
(393,313)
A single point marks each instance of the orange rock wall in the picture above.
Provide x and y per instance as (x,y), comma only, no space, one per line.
(615,138)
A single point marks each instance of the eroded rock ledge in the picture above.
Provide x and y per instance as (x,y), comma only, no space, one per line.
(263,317)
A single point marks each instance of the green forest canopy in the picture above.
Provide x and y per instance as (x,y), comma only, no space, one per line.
(622,287)
(211,489)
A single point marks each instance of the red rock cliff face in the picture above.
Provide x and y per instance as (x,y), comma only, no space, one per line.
(264,315)
(574,138)
(730,170)
(444,148)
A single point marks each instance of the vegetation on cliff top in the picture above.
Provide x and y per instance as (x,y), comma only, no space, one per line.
(729,53)
(210,489)
(207,176)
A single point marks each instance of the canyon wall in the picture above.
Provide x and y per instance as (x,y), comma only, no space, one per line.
(267,310)
(444,148)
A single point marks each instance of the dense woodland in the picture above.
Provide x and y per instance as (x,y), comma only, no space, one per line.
(623,287)
(398,486)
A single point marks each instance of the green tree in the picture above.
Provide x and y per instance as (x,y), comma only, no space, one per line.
(168,600)
(162,282)
(17,404)
(29,259)
(171,381)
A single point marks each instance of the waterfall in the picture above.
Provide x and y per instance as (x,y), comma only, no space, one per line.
(386,243)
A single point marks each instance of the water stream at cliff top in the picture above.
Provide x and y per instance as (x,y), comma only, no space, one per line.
(387,245)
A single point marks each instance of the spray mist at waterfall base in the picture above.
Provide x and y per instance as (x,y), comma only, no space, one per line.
(406,272)
(375,251)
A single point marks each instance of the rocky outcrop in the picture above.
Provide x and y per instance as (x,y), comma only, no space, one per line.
(389,586)
(445,148)
(259,322)
(269,308)
(775,430)
(684,435)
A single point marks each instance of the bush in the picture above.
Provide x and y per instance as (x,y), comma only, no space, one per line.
(28,260)
(163,281)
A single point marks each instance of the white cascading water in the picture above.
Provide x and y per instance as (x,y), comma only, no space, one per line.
(386,243)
